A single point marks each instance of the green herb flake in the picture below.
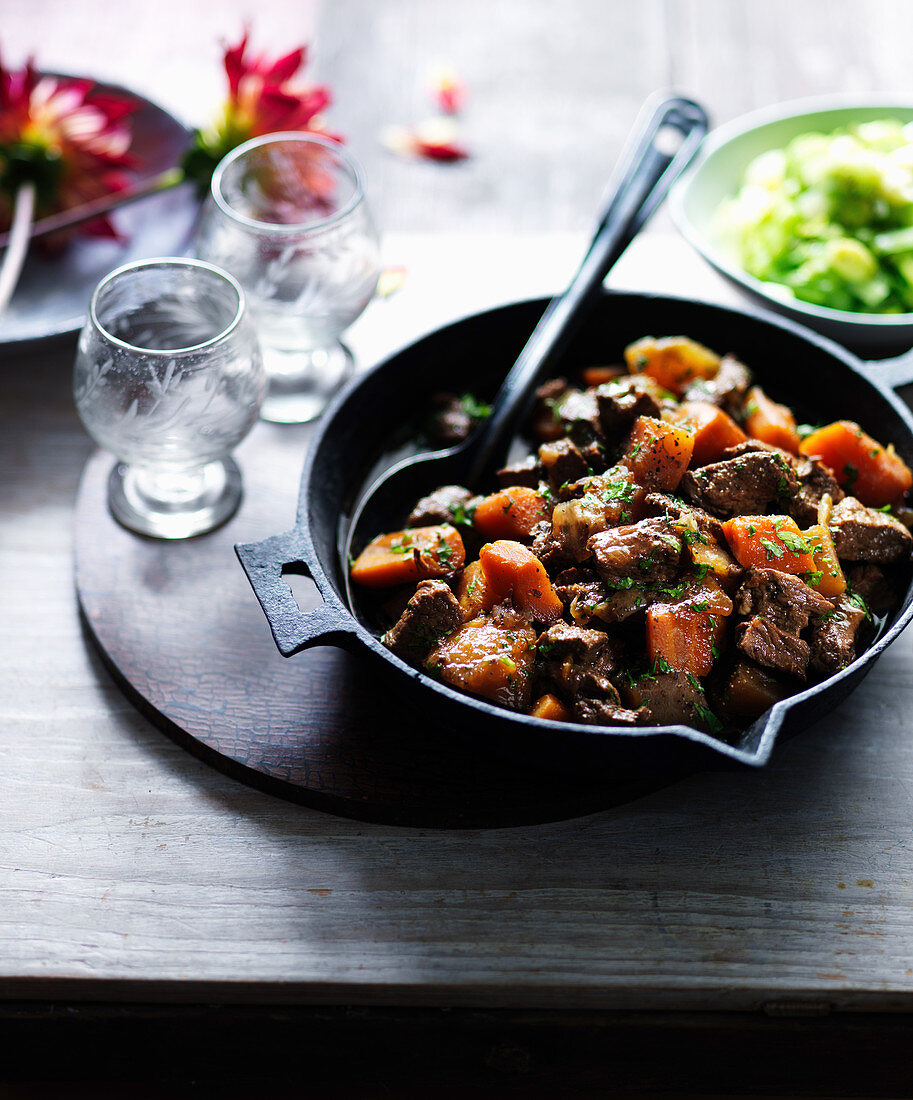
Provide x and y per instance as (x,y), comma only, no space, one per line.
(851,474)
(444,550)
(710,720)
(474,409)
(773,549)
(795,543)
(856,599)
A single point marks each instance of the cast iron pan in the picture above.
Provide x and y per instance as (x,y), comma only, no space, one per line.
(368,425)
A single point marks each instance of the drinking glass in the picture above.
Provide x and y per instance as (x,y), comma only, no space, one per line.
(287,216)
(169,378)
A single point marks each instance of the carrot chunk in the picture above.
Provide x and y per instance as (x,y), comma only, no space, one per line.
(674,361)
(770,422)
(827,578)
(474,594)
(514,572)
(680,639)
(714,431)
(657,453)
(769,542)
(492,656)
(551,708)
(510,514)
(596,376)
(416,553)
(874,474)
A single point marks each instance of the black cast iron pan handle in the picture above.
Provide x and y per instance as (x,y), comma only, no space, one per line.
(266,564)
(647,170)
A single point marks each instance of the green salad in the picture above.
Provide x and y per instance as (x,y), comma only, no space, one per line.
(829,218)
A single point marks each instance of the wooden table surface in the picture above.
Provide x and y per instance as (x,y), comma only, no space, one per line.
(131,872)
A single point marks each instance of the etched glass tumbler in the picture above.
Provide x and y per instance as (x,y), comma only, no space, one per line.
(169,379)
(287,216)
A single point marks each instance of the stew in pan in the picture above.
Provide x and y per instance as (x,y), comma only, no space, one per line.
(675,549)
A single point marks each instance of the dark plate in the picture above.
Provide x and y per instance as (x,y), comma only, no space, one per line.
(53,292)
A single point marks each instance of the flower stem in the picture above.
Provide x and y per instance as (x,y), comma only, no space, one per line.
(76,215)
(19,236)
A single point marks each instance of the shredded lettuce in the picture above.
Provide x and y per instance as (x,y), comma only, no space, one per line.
(829,218)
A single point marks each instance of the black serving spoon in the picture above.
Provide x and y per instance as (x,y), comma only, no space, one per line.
(664,140)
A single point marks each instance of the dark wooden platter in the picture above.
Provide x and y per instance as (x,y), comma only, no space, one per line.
(183,635)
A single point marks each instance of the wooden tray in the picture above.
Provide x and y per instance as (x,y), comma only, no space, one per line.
(184,636)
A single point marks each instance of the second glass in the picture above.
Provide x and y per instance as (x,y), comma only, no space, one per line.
(287,216)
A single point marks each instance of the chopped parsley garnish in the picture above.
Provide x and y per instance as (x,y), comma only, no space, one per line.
(701,571)
(444,550)
(461,515)
(474,409)
(814,579)
(884,508)
(795,543)
(773,550)
(855,598)
(405,544)
(851,474)
(710,720)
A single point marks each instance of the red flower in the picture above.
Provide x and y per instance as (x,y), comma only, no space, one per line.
(261,100)
(71,140)
(447,90)
(434,139)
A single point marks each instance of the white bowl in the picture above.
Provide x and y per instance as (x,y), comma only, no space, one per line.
(716,176)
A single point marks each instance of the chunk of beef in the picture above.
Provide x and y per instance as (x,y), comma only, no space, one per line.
(864,534)
(870,583)
(597,704)
(726,389)
(754,446)
(709,526)
(544,421)
(815,480)
(550,548)
(562,462)
(779,598)
(648,552)
(579,416)
(620,604)
(620,403)
(769,645)
(746,484)
(672,698)
(442,506)
(529,472)
(579,662)
(832,637)
(564,651)
(432,614)
(449,422)
(579,581)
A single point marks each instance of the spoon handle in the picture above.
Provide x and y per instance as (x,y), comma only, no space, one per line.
(647,172)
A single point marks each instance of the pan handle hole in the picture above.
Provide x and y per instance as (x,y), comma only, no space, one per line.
(306,593)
